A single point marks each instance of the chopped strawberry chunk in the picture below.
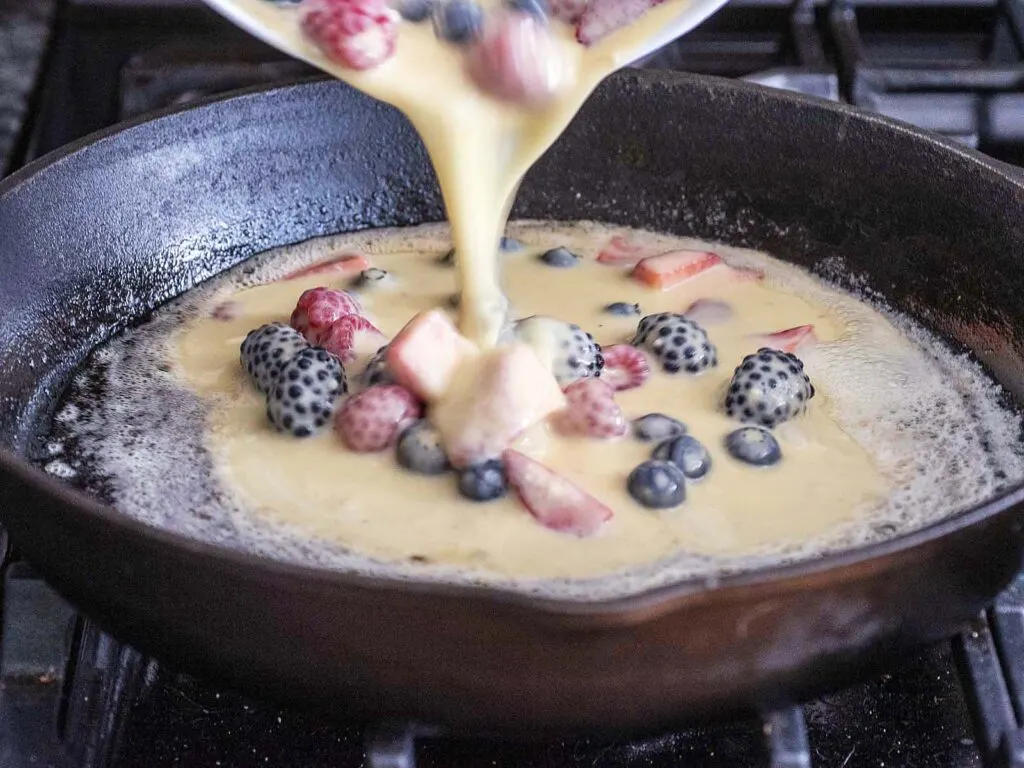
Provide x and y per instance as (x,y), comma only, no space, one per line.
(667,270)
(346,264)
(623,251)
(492,400)
(350,336)
(554,501)
(790,339)
(318,308)
(374,419)
(517,60)
(426,353)
(591,411)
(708,312)
(358,34)
(602,17)
(625,367)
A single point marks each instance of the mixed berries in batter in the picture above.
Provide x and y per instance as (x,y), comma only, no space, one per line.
(444,407)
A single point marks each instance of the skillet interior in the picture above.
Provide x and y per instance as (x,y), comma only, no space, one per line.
(92,239)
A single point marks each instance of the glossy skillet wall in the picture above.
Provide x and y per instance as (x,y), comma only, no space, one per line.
(94,237)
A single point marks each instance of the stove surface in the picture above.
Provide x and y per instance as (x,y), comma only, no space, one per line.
(72,696)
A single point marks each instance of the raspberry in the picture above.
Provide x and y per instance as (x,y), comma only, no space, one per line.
(625,367)
(373,420)
(350,336)
(591,411)
(319,308)
(358,34)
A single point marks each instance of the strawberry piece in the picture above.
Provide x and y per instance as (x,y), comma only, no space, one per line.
(350,336)
(602,17)
(318,308)
(667,270)
(555,502)
(358,34)
(790,339)
(346,264)
(517,60)
(743,275)
(374,419)
(625,367)
(623,251)
(568,11)
(226,310)
(591,411)
(492,399)
(426,353)
(708,312)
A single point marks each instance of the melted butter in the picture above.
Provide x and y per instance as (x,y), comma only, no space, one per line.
(370,506)
(480,147)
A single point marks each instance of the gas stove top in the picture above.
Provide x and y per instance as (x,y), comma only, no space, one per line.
(72,696)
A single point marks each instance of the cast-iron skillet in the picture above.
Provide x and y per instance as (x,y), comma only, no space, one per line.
(93,236)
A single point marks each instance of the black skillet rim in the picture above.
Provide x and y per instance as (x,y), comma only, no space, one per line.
(639,602)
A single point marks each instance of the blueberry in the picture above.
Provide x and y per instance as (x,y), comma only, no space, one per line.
(419,450)
(623,309)
(371,277)
(415,10)
(657,427)
(484,482)
(538,8)
(687,453)
(561,258)
(458,21)
(507,244)
(657,485)
(754,445)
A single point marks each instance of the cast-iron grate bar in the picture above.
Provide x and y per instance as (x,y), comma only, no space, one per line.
(786,731)
(981,671)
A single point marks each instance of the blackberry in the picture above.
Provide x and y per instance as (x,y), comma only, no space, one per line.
(306,392)
(569,351)
(267,350)
(768,388)
(677,343)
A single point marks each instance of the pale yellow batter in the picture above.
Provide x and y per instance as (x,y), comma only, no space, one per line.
(371,505)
